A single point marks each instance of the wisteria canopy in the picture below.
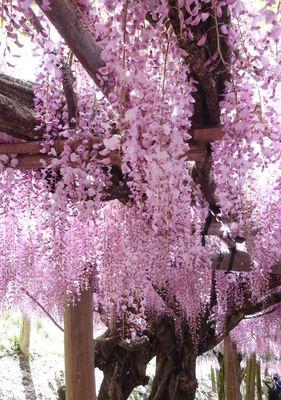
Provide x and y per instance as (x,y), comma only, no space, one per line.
(143,157)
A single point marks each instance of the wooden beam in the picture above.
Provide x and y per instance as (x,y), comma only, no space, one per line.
(32,161)
(206,135)
(30,155)
(37,147)
(20,148)
(63,15)
(241,262)
(78,349)
(196,153)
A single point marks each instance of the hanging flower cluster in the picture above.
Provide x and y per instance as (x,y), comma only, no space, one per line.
(259,335)
(247,161)
(149,252)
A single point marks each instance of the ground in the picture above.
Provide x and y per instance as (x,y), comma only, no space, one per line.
(40,378)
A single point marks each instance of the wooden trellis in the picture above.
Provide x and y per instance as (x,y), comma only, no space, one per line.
(30,157)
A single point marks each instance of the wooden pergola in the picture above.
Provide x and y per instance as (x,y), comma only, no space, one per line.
(18,120)
(28,155)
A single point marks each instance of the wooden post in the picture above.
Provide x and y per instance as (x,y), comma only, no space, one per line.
(213,380)
(251,378)
(231,370)
(78,347)
(220,377)
(258,381)
(25,336)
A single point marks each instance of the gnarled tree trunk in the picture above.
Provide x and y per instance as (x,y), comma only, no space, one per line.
(123,365)
(175,377)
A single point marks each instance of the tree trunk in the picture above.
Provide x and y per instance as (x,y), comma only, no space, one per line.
(25,336)
(250,378)
(174,380)
(175,376)
(231,370)
(79,352)
(123,365)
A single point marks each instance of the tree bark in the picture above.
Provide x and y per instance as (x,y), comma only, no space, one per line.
(232,370)
(78,344)
(17,115)
(175,376)
(25,336)
(175,379)
(123,365)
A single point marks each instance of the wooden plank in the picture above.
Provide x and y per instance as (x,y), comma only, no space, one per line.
(20,148)
(30,156)
(202,136)
(206,135)
(36,147)
(32,161)
(242,262)
(215,229)
(196,153)
(79,352)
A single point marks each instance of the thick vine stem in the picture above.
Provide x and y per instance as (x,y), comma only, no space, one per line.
(123,364)
(70,95)
(17,90)
(16,119)
(17,116)
(76,36)
(211,84)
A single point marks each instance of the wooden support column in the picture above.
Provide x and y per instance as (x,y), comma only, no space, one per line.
(258,381)
(251,378)
(231,370)
(25,336)
(213,380)
(78,347)
(220,377)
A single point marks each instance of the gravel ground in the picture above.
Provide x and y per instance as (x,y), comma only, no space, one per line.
(41,376)
(34,380)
